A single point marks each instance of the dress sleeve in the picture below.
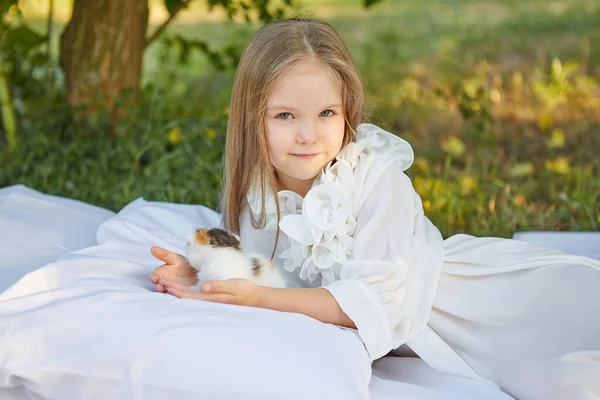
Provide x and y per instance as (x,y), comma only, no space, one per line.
(388,286)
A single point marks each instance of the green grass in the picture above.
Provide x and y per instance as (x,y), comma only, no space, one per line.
(468,83)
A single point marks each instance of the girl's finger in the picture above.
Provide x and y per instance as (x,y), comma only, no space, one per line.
(154,278)
(215,298)
(183,294)
(166,256)
(173,284)
(160,288)
(160,273)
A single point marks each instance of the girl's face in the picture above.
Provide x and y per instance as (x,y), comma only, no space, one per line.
(305,123)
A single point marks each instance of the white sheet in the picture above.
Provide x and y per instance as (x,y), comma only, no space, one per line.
(36,228)
(407,378)
(579,243)
(87,325)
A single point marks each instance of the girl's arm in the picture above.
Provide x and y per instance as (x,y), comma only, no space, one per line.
(317,303)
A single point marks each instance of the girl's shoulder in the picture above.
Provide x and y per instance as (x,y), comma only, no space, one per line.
(373,144)
(362,163)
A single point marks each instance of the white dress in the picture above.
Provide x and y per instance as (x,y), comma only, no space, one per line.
(516,315)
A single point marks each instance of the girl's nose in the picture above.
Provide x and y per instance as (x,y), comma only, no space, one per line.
(307,132)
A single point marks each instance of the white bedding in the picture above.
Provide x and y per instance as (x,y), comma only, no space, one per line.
(86,325)
(579,243)
(36,228)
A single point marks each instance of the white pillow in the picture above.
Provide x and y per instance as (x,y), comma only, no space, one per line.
(88,326)
(36,228)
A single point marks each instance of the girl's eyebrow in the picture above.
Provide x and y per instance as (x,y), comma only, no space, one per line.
(282,107)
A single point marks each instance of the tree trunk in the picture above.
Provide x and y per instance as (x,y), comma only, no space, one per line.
(101,52)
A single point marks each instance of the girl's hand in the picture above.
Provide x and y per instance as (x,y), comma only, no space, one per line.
(242,292)
(176,270)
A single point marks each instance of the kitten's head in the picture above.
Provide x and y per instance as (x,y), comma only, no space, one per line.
(208,244)
(208,247)
(215,238)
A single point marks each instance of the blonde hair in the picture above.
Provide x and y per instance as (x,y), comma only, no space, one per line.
(268,55)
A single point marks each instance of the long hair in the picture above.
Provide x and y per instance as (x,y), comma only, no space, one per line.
(270,53)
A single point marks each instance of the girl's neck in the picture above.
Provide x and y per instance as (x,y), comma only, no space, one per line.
(301,187)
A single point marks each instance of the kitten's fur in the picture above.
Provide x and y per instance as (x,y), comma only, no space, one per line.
(216,254)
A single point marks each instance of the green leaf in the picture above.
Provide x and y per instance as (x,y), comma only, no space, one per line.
(171,5)
(39,59)
(369,3)
(5,5)
(25,38)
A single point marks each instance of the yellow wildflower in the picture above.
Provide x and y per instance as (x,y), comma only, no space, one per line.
(454,146)
(520,200)
(518,170)
(557,139)
(467,185)
(210,133)
(495,96)
(174,135)
(559,165)
(421,185)
(439,203)
(422,164)
(427,205)
(545,121)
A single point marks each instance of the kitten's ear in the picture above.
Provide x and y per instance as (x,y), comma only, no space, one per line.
(189,238)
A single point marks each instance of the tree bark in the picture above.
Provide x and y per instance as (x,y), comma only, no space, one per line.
(101,52)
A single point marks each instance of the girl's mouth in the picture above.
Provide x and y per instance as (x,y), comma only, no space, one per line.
(306,156)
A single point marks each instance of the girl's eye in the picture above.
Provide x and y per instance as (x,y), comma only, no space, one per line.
(285,115)
(327,113)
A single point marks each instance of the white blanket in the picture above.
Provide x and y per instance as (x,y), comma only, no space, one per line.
(84,323)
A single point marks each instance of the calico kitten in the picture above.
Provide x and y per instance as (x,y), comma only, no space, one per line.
(216,254)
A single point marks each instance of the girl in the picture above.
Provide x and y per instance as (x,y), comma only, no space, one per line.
(327,198)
